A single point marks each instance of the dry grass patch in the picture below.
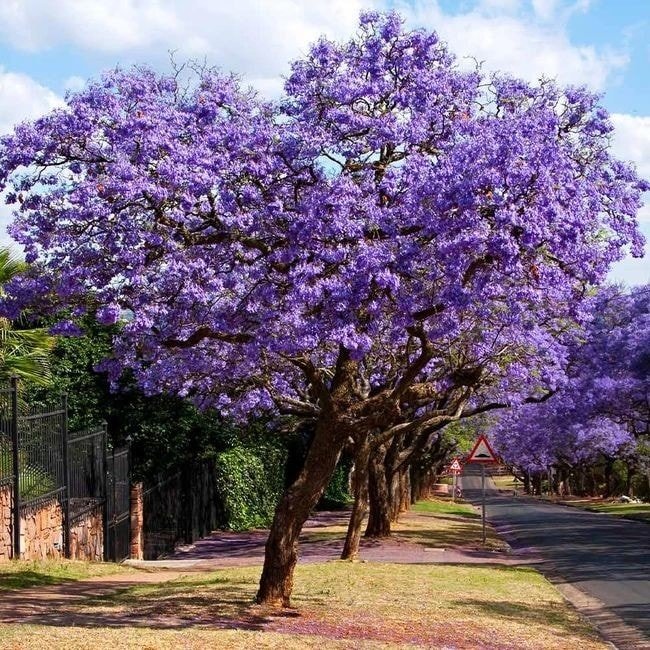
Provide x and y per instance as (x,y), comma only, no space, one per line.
(507,483)
(440,523)
(337,604)
(434,523)
(639,511)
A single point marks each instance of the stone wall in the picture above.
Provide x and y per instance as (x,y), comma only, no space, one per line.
(137,521)
(87,537)
(6,526)
(41,531)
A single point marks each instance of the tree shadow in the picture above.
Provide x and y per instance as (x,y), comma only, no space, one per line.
(458,535)
(27,578)
(171,605)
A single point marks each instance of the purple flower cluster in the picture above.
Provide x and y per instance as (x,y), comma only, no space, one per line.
(391,202)
(604,405)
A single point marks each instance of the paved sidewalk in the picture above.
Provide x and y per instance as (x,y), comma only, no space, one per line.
(225,549)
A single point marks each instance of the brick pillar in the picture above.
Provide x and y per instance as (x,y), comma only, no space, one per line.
(137,521)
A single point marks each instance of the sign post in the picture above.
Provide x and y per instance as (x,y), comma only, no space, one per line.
(482,453)
(456,469)
(483,500)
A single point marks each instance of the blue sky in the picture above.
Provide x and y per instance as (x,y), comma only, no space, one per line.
(48,47)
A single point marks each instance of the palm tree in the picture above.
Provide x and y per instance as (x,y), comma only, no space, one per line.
(24,353)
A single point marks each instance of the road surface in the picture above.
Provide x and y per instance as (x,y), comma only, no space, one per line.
(604,557)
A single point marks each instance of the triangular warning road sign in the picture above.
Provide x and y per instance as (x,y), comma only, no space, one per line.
(456,466)
(482,452)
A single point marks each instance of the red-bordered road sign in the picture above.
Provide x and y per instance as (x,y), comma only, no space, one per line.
(482,452)
(455,466)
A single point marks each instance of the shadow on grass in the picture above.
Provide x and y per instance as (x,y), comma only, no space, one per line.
(450,510)
(546,614)
(448,516)
(459,534)
(28,578)
(216,603)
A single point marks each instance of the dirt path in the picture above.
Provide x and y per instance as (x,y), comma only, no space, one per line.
(321,541)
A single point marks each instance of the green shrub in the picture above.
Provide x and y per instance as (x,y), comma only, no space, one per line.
(337,494)
(250,482)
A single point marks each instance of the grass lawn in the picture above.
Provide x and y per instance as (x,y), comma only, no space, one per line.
(337,605)
(507,482)
(28,573)
(441,524)
(629,510)
(445,507)
(447,524)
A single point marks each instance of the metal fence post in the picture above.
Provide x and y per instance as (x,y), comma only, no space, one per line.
(66,475)
(114,539)
(16,469)
(105,489)
(128,488)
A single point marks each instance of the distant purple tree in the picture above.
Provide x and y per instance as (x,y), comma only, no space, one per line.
(604,405)
(393,234)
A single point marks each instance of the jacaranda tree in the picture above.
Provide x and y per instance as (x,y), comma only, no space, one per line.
(603,407)
(320,256)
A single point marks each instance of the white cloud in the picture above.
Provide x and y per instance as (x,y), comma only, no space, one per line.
(22,98)
(545,9)
(258,39)
(513,41)
(632,141)
(251,37)
(108,26)
(74,83)
(633,271)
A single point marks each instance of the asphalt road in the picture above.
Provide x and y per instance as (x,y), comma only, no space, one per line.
(604,557)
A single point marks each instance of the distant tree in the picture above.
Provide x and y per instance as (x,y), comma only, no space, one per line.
(603,408)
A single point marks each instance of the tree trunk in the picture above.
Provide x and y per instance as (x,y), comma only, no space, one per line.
(379,517)
(417,484)
(394,482)
(292,511)
(405,491)
(360,507)
(609,463)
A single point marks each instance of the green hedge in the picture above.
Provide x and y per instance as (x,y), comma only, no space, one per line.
(337,494)
(250,481)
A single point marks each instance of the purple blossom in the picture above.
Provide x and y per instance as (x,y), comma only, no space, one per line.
(389,202)
(109,314)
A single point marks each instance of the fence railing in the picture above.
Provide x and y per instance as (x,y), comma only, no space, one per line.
(180,508)
(76,483)
(71,477)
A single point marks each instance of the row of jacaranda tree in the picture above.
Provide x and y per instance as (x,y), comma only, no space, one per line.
(593,435)
(395,244)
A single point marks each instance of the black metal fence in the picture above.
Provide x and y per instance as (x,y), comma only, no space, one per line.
(180,508)
(42,463)
(117,527)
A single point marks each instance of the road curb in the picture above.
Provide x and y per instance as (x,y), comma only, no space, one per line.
(618,634)
(611,628)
